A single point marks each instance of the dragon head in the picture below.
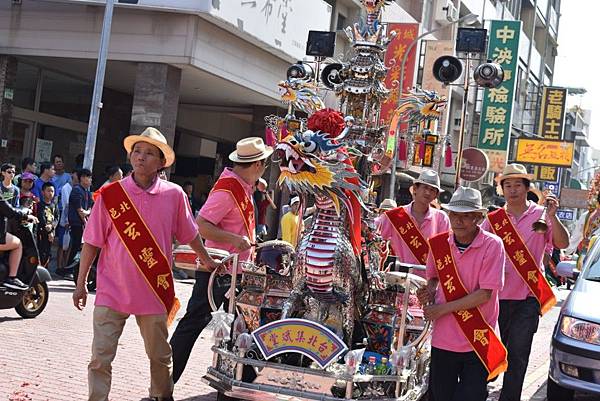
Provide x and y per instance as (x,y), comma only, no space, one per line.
(421,105)
(301,94)
(373,6)
(312,162)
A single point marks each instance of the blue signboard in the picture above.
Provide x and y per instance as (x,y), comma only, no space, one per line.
(565,214)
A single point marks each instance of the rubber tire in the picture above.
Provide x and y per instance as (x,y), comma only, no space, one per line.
(222,397)
(29,314)
(555,392)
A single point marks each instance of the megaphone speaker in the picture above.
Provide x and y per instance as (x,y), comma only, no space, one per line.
(489,75)
(447,69)
(330,75)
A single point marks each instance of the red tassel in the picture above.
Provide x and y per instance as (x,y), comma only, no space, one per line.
(402,150)
(422,150)
(448,155)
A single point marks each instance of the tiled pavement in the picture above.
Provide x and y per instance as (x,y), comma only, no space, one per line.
(45,359)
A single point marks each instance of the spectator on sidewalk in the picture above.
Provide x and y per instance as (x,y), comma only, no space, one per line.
(27,198)
(62,230)
(28,165)
(291,223)
(10,192)
(80,203)
(134,274)
(188,188)
(61,177)
(262,201)
(47,215)
(46,175)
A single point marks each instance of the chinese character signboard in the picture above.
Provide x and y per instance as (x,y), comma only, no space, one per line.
(565,214)
(298,335)
(552,115)
(496,113)
(546,173)
(405,34)
(474,164)
(545,152)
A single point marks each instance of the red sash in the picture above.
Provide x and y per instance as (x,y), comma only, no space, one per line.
(407,229)
(477,331)
(242,200)
(522,260)
(141,246)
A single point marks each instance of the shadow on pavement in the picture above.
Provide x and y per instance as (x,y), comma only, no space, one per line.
(205,397)
(9,318)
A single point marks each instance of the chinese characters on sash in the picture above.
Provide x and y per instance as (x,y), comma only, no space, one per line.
(477,331)
(521,259)
(407,229)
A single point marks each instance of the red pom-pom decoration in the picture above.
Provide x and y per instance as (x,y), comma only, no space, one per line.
(327,120)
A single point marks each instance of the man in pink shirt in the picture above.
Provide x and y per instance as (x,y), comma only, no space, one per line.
(427,220)
(519,308)
(227,222)
(477,261)
(125,285)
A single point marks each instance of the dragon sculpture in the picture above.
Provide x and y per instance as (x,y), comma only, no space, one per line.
(300,94)
(313,163)
(419,106)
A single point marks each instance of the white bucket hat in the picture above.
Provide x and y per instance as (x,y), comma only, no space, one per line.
(295,199)
(153,137)
(429,177)
(465,200)
(250,150)
(388,204)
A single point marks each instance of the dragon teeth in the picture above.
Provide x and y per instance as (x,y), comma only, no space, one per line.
(291,167)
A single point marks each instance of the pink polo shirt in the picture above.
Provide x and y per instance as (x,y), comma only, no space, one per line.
(514,286)
(165,209)
(480,266)
(221,210)
(435,222)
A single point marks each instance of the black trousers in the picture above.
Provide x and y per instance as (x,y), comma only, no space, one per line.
(518,322)
(44,247)
(197,316)
(76,233)
(457,376)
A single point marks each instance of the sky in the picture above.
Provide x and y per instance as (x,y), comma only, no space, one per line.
(578,60)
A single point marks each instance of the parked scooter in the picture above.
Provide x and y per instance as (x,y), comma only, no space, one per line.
(31,302)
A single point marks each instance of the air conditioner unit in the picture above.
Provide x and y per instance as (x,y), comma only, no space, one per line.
(445,12)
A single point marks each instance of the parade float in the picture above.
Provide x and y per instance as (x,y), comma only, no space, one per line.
(330,319)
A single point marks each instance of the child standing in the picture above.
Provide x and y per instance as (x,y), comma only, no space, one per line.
(48,217)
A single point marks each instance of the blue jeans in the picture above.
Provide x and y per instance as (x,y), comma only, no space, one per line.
(457,376)
(518,322)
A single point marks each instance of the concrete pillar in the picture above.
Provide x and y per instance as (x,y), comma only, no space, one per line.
(156,99)
(8,78)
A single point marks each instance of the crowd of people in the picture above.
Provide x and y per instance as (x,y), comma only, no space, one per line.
(56,203)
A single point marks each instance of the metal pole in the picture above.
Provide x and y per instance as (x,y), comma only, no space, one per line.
(401,89)
(90,142)
(463,117)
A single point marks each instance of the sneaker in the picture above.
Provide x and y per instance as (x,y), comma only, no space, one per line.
(67,274)
(15,284)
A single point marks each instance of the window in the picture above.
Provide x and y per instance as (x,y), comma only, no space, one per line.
(65,96)
(341,22)
(26,86)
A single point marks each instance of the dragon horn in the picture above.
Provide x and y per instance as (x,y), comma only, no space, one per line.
(349,120)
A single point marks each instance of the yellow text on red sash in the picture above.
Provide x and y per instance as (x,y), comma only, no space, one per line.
(477,331)
(522,260)
(407,229)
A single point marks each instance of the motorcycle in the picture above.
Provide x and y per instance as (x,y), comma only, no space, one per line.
(31,302)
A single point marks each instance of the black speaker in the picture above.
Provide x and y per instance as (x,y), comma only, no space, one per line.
(447,69)
(300,71)
(471,40)
(320,44)
(330,75)
(489,75)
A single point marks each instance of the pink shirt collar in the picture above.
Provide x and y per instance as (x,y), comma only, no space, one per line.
(229,173)
(428,215)
(131,185)
(531,206)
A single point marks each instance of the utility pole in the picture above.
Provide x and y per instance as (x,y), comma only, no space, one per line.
(92,132)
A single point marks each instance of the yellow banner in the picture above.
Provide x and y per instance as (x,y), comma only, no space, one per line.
(545,152)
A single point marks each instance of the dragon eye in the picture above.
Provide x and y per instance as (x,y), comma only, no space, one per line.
(310,146)
(293,141)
